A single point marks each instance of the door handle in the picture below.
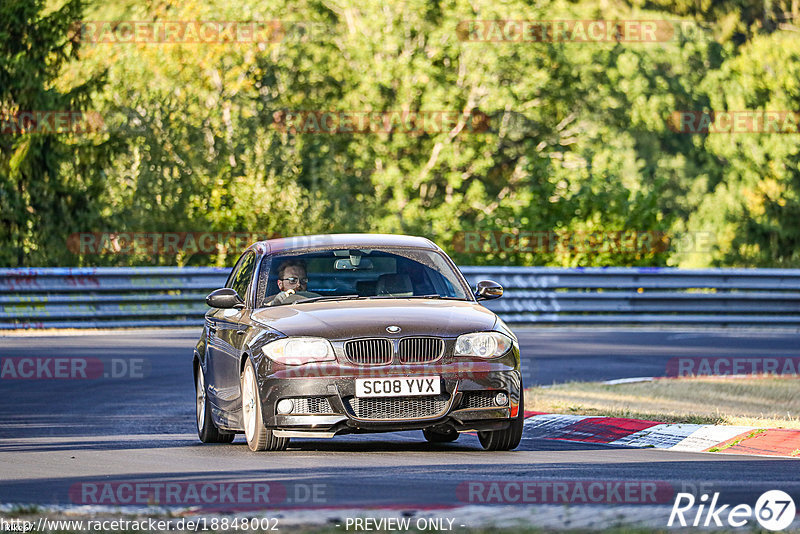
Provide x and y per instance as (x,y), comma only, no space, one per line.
(241,332)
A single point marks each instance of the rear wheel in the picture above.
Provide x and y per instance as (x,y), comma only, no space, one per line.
(206,429)
(436,436)
(509,438)
(259,437)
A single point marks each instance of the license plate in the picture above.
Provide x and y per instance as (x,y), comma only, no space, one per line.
(398,387)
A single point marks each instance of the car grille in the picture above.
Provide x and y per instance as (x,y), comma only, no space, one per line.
(369,351)
(421,349)
(478,399)
(399,407)
(312,406)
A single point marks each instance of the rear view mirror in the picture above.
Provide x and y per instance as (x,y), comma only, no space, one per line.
(225,298)
(347,264)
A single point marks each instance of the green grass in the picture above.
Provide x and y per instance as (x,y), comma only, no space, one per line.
(331,529)
(23,509)
(736,442)
(762,402)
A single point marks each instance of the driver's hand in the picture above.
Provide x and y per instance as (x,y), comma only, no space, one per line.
(281,297)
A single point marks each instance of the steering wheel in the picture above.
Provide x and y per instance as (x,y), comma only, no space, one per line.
(294,297)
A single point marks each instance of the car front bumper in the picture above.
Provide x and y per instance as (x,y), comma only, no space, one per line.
(466,402)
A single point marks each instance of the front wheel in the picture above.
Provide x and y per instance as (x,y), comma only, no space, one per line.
(206,429)
(509,438)
(259,437)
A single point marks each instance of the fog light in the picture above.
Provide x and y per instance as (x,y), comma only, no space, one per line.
(501,399)
(285,406)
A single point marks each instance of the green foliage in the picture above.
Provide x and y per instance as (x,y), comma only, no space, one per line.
(755,204)
(578,139)
(44,184)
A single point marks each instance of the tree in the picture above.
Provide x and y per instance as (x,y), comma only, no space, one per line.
(755,206)
(46,182)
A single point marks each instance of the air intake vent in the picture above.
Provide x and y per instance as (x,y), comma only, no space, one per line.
(478,399)
(421,349)
(369,351)
(312,406)
(399,408)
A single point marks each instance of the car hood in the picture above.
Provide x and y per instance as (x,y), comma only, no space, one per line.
(345,319)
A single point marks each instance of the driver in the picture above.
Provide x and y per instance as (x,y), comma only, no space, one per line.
(292,282)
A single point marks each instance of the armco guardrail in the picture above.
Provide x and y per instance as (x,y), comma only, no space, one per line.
(171,296)
(106,297)
(638,295)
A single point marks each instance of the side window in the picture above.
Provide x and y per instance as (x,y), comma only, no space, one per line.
(241,277)
(235,270)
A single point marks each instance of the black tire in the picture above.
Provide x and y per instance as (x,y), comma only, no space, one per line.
(207,431)
(439,437)
(509,438)
(259,437)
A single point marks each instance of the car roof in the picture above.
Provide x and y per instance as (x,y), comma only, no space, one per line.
(330,241)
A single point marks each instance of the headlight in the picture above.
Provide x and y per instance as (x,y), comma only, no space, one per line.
(299,350)
(483,344)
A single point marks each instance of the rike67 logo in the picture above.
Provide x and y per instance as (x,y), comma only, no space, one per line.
(774,510)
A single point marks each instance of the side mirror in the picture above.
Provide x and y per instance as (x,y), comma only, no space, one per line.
(488,289)
(224,298)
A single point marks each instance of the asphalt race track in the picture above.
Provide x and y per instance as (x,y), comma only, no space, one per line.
(134,423)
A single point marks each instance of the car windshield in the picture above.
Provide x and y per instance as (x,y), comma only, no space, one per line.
(358,273)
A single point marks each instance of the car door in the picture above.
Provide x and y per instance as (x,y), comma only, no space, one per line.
(223,382)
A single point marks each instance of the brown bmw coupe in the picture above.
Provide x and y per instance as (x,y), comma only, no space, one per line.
(323,335)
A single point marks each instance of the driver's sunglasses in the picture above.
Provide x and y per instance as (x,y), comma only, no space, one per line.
(294,280)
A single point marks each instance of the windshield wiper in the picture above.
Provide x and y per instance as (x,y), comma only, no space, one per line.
(326,297)
(413,297)
(354,297)
(434,297)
